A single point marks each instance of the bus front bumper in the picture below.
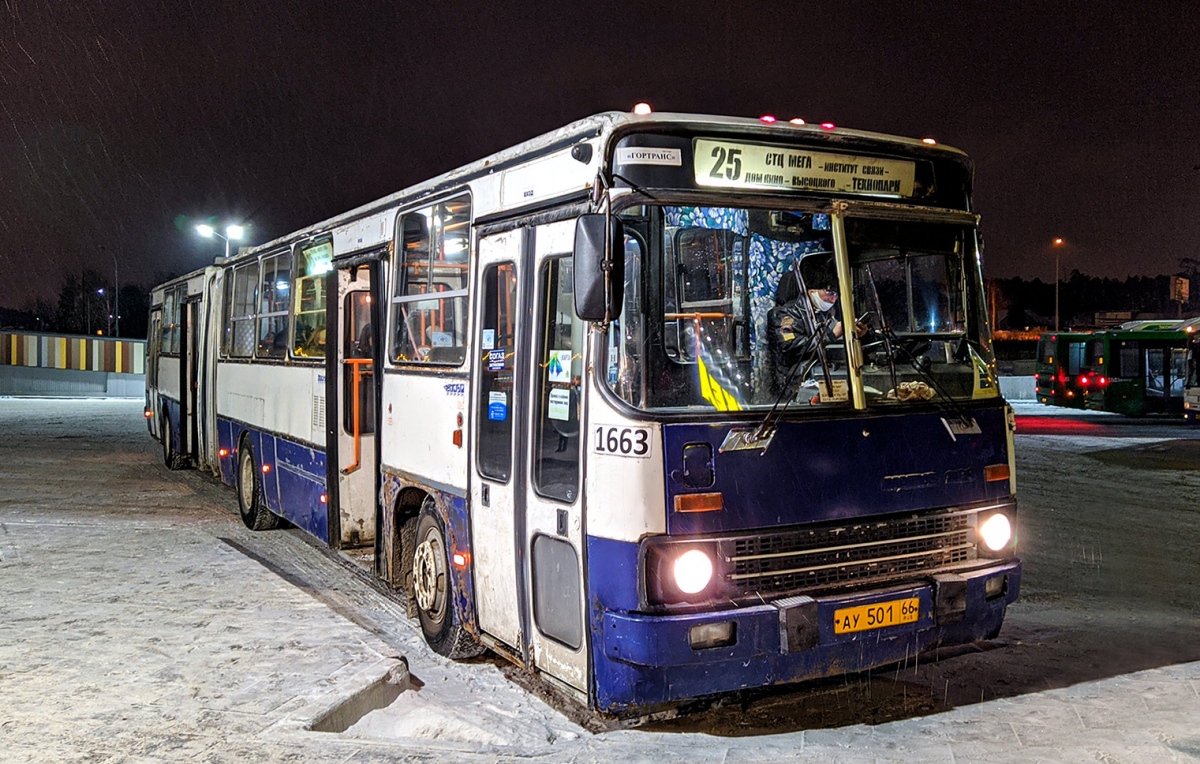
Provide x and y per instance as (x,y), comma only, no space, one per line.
(644,660)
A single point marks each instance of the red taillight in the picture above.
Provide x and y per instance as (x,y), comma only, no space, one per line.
(1083,380)
(1103,381)
(1062,378)
(1037,375)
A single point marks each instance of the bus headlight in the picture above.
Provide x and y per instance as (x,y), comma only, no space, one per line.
(996,532)
(693,571)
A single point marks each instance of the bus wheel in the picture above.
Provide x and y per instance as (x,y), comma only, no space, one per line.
(431,587)
(172,458)
(254,512)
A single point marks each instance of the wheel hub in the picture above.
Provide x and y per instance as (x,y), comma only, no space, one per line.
(428,576)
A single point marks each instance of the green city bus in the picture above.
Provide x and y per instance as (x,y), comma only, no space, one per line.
(1060,361)
(1135,372)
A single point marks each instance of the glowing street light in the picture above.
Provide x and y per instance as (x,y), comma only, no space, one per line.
(1058,244)
(233,232)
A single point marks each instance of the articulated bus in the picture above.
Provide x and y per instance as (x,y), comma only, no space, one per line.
(1060,359)
(538,396)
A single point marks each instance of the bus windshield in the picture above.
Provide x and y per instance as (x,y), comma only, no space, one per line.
(731,309)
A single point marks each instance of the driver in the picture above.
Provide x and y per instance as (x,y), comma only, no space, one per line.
(793,331)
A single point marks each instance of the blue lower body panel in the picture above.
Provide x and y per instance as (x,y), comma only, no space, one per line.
(642,660)
(293,487)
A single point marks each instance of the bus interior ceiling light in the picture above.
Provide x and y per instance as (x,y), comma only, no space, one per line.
(996,532)
(693,570)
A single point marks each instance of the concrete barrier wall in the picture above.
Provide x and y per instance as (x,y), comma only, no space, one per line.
(35,382)
(1018,388)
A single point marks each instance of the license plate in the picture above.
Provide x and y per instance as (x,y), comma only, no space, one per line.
(878,616)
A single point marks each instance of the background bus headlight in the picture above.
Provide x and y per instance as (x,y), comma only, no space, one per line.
(693,570)
(996,532)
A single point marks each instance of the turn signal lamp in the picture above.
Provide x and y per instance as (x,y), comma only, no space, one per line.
(996,532)
(266,468)
(324,498)
(222,452)
(148,414)
(642,109)
(459,559)
(995,472)
(699,502)
(693,570)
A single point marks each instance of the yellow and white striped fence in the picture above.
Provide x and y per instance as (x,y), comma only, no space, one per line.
(56,351)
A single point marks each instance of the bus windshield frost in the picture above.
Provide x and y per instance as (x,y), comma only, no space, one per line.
(695,332)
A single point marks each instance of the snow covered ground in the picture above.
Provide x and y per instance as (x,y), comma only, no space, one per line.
(141,622)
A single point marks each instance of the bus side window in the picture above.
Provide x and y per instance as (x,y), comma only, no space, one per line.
(313,263)
(429,313)
(273,309)
(245,295)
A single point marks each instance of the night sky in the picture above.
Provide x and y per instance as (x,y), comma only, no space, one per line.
(123,124)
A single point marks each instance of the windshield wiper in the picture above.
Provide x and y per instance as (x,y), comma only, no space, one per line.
(948,403)
(814,346)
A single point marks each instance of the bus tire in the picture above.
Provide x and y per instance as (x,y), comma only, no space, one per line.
(251,506)
(172,458)
(431,577)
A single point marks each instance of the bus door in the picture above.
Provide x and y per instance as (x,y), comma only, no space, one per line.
(357,454)
(526,515)
(190,389)
(1155,379)
(1178,378)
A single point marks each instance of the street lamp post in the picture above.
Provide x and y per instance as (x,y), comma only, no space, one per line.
(1058,243)
(233,232)
(116,297)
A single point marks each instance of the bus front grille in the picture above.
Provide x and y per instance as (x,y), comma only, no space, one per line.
(845,555)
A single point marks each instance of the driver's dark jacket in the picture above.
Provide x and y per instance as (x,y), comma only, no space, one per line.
(792,338)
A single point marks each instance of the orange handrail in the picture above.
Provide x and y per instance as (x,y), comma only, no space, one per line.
(357,363)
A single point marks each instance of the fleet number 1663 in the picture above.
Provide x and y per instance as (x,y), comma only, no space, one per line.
(622,441)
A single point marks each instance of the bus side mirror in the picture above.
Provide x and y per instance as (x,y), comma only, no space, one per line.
(599,282)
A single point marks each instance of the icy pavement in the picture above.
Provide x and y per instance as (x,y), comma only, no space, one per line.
(140,622)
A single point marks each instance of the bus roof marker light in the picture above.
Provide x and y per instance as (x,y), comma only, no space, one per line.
(642,109)
(828,126)
(770,120)
(929,141)
(796,121)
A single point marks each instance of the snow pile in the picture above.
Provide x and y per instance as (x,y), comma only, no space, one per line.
(473,713)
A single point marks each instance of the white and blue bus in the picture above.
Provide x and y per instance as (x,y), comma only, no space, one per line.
(544,396)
